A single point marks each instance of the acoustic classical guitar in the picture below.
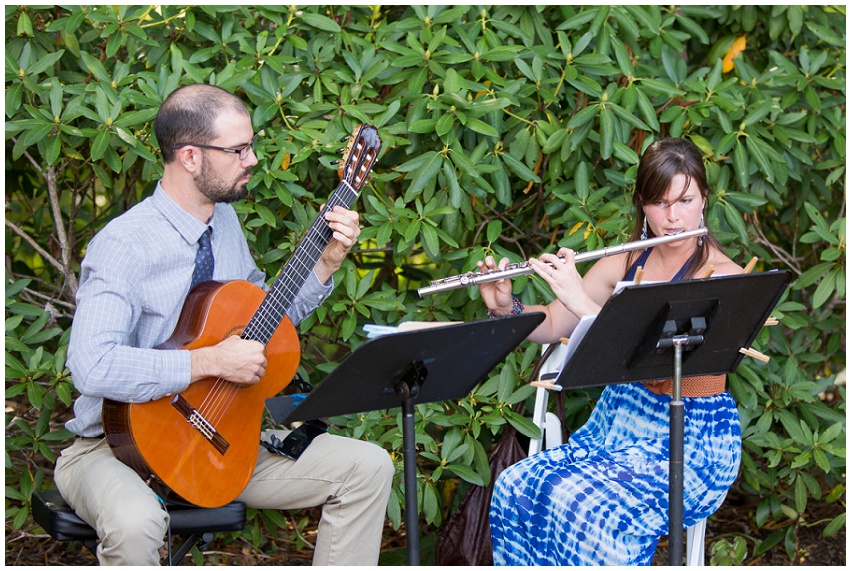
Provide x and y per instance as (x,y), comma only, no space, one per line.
(201,444)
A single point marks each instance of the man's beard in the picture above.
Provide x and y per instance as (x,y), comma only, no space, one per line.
(212,186)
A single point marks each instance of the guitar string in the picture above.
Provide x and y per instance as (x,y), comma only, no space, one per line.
(222,395)
(207,408)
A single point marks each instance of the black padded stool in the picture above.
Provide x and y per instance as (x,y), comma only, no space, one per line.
(196,524)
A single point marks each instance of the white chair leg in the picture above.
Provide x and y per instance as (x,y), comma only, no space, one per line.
(539,417)
(695,544)
(548,422)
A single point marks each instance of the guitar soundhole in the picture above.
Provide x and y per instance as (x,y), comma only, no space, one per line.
(201,424)
(235,331)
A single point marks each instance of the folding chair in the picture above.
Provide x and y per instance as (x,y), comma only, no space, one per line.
(196,525)
(551,435)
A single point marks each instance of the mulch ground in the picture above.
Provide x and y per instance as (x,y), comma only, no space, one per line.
(734,518)
(34,548)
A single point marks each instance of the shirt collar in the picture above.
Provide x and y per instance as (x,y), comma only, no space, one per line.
(186,225)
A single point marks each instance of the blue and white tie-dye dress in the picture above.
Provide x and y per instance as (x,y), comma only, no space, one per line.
(602,498)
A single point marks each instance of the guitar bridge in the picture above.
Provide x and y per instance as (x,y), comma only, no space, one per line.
(201,424)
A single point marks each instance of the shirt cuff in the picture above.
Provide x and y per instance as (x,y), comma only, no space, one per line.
(311,296)
(175,372)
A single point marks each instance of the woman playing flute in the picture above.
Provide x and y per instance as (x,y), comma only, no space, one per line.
(602,498)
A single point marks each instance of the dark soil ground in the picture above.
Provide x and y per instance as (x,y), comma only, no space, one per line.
(34,548)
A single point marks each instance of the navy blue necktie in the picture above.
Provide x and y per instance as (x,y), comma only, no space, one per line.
(204,262)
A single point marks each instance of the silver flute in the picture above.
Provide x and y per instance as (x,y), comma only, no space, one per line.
(523,268)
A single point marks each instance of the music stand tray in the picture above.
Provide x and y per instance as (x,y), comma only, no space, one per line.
(405,369)
(704,322)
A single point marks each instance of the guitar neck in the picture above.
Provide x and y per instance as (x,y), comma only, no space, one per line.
(298,268)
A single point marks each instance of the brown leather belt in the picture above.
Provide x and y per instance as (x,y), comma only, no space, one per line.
(699,386)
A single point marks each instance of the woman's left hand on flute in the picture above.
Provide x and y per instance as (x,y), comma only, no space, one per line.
(496,294)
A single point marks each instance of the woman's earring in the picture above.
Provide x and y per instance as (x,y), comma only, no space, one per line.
(644,230)
(701,225)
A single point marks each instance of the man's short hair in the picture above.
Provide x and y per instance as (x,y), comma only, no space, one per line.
(188,115)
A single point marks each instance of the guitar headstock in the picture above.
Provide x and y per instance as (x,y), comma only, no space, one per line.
(359,156)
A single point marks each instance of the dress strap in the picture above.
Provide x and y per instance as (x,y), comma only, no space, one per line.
(682,271)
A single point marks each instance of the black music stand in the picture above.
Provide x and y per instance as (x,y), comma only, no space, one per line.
(705,322)
(416,367)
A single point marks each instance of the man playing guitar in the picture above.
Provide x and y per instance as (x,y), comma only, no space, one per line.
(135,276)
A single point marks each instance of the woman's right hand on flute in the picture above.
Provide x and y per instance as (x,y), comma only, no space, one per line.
(496,294)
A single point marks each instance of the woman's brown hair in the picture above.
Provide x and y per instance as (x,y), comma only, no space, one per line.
(661,162)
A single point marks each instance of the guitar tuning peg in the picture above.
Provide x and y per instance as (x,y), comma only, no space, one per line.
(336,162)
(346,138)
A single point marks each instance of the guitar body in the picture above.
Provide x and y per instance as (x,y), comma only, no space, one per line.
(167,441)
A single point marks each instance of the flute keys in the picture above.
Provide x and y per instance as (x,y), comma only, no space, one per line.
(449,280)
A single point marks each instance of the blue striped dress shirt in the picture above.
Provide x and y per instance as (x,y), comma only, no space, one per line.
(133,281)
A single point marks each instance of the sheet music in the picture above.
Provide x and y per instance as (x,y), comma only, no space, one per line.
(373,330)
(620,285)
(576,337)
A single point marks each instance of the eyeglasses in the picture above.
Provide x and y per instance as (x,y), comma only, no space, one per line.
(241,151)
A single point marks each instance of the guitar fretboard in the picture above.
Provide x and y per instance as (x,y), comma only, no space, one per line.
(274,307)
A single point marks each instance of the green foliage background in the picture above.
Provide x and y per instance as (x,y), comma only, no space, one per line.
(508,130)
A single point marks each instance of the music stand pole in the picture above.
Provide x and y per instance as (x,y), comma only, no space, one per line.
(407,389)
(676,434)
(675,466)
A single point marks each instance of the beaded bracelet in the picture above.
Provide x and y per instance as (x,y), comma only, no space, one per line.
(517,308)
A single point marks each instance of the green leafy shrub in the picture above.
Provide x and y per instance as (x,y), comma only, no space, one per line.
(507,130)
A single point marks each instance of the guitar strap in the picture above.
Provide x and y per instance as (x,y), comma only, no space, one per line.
(297,441)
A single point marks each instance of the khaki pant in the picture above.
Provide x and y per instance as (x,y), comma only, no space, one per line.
(349,478)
